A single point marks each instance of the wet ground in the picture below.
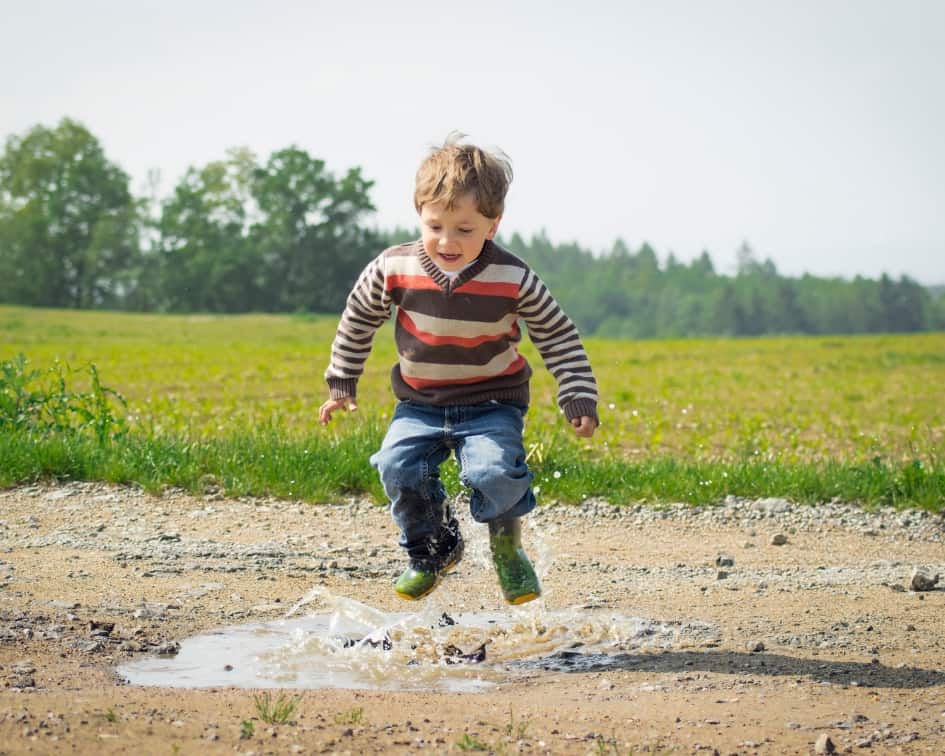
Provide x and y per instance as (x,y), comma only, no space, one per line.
(751,627)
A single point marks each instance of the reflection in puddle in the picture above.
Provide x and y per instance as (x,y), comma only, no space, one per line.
(356,646)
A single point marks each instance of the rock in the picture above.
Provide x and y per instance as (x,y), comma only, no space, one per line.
(778,539)
(169,648)
(755,646)
(100,629)
(724,560)
(721,575)
(64,605)
(824,744)
(921,581)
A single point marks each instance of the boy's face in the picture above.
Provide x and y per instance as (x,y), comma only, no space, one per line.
(453,238)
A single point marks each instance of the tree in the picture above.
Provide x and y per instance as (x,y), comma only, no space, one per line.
(311,245)
(205,262)
(745,261)
(284,236)
(68,222)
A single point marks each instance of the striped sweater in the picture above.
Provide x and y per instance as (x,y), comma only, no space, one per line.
(457,340)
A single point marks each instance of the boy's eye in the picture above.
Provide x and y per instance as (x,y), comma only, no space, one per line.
(466,230)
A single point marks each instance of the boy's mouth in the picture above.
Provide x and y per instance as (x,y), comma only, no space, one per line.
(449,257)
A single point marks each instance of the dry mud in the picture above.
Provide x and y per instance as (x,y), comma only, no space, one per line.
(780,646)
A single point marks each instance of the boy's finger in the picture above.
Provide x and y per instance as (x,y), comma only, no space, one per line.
(584,426)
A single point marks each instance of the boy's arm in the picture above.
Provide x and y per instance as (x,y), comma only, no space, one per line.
(368,306)
(559,344)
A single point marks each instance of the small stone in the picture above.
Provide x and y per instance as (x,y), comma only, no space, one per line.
(724,560)
(922,581)
(778,539)
(824,744)
(100,629)
(755,646)
(721,575)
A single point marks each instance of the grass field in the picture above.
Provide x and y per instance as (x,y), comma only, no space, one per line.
(718,416)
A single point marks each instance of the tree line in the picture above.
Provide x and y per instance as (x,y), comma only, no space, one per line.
(284,234)
(626,294)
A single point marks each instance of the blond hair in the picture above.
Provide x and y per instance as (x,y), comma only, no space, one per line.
(455,169)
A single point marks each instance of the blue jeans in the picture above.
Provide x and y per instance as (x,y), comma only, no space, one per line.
(487,441)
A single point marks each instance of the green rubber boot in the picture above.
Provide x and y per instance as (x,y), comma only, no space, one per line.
(417,581)
(517,577)
(423,575)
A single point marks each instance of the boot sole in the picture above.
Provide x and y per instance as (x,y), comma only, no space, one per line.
(523,599)
(408,597)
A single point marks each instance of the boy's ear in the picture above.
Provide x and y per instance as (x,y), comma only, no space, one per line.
(494,228)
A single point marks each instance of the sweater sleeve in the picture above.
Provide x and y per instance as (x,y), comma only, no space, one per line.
(559,344)
(367,308)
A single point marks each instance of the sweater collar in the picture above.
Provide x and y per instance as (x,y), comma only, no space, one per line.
(444,281)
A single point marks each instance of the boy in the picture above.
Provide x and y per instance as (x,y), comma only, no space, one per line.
(462,385)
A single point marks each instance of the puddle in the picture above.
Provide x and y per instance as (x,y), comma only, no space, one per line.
(358,647)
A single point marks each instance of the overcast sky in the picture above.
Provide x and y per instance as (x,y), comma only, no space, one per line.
(813,129)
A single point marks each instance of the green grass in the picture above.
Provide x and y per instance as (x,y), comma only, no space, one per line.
(191,401)
(353,716)
(247,729)
(470,743)
(278,710)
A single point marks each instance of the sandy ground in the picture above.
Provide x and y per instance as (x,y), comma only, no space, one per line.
(820,636)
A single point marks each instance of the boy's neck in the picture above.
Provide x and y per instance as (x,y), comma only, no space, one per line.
(452,274)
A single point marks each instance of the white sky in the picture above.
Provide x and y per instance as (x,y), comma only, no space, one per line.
(815,129)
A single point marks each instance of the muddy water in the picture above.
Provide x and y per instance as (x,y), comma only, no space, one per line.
(353,645)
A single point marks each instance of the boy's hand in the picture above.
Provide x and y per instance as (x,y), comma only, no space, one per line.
(326,410)
(584,426)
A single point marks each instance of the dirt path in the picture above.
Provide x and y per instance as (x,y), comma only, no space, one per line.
(819,636)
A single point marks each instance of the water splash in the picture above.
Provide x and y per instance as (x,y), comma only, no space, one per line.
(353,645)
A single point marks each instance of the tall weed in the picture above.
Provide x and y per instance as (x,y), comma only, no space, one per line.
(40,402)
